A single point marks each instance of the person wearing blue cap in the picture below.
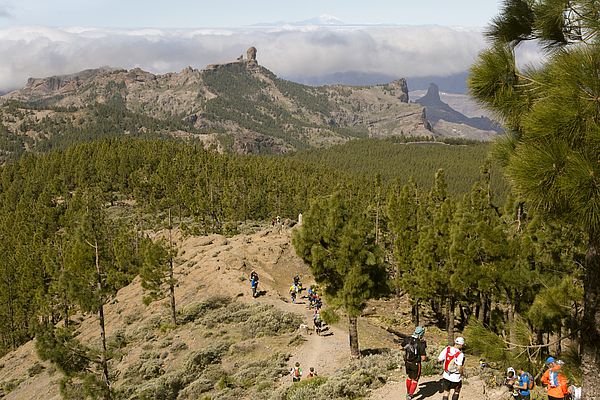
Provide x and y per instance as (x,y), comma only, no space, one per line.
(555,381)
(415,348)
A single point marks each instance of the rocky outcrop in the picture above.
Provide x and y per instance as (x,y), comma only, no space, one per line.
(399,89)
(62,83)
(438,111)
(251,54)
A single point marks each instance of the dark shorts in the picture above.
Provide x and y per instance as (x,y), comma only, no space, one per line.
(524,397)
(413,370)
(449,385)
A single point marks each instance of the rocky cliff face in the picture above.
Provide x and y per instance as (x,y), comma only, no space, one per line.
(241,105)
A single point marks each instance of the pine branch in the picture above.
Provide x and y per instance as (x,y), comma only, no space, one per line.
(536,346)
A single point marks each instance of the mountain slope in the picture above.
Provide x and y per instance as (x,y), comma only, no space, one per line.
(238,106)
(228,345)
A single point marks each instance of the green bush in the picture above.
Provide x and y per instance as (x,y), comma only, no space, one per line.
(198,310)
(305,389)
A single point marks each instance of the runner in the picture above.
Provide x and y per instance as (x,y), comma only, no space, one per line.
(524,385)
(454,361)
(254,283)
(414,353)
(296,372)
(554,380)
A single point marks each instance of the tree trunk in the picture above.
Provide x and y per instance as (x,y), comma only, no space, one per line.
(512,334)
(353,335)
(439,315)
(559,339)
(591,320)
(103,359)
(450,321)
(481,311)
(171,275)
(416,312)
(464,316)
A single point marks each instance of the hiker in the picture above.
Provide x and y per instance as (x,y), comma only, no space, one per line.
(318,322)
(318,303)
(511,380)
(524,385)
(254,283)
(575,392)
(454,361)
(311,296)
(293,293)
(554,380)
(415,348)
(311,373)
(296,372)
(297,283)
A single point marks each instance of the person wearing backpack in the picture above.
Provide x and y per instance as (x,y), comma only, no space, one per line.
(454,361)
(555,381)
(296,372)
(415,348)
(254,283)
(524,385)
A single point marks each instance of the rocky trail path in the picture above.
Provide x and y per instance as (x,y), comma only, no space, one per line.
(429,388)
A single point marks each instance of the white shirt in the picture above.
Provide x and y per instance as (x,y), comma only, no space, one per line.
(459,361)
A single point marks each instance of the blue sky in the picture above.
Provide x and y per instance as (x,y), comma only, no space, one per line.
(236,13)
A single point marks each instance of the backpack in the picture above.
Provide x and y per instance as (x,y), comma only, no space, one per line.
(411,350)
(450,363)
(531,383)
(297,372)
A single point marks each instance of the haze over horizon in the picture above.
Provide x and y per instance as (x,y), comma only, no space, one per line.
(306,43)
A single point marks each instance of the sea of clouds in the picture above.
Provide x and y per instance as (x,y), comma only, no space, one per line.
(287,50)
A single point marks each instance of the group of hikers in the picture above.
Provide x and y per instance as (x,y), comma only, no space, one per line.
(452,357)
(520,382)
(314,300)
(296,373)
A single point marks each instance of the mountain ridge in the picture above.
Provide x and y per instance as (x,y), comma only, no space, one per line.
(238,106)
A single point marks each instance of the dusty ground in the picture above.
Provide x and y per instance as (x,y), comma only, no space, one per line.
(211,265)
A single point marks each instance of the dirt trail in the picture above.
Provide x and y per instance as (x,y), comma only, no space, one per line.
(429,388)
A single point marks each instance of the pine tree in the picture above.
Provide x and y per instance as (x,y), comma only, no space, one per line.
(431,259)
(99,259)
(338,242)
(551,114)
(402,210)
(156,272)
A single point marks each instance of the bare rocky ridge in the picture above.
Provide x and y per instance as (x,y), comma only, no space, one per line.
(239,100)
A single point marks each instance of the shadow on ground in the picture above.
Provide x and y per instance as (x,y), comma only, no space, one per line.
(371,352)
(428,389)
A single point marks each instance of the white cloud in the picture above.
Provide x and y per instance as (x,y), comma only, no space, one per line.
(287,50)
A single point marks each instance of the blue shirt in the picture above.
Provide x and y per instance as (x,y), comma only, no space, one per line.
(524,380)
